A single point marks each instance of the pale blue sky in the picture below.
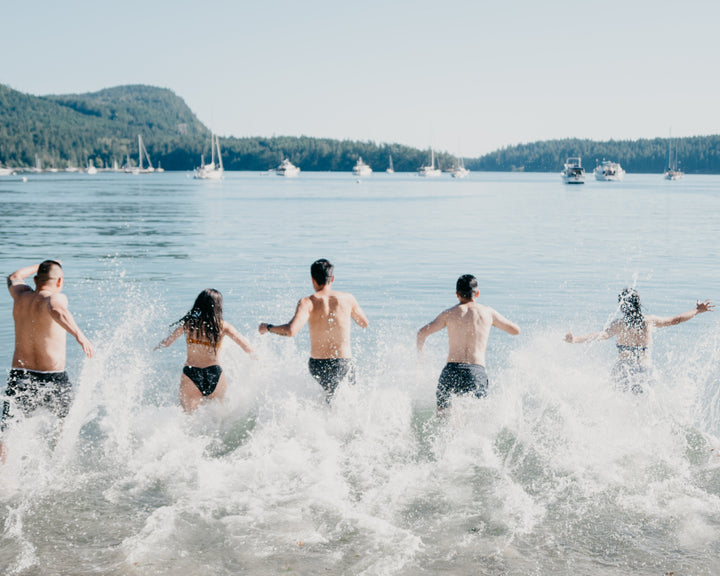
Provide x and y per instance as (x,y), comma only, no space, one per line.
(463,76)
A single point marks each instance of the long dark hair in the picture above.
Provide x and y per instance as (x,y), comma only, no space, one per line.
(631,309)
(204,320)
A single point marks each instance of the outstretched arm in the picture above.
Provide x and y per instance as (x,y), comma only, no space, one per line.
(57,304)
(592,337)
(435,326)
(16,281)
(174,335)
(499,321)
(302,315)
(230,331)
(700,307)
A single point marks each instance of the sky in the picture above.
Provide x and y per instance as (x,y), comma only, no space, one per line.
(466,77)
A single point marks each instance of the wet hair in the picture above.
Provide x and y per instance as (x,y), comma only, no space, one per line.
(322,271)
(466,286)
(204,320)
(48,270)
(631,309)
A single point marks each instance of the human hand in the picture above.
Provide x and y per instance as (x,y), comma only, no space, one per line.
(263,328)
(706,306)
(570,338)
(86,346)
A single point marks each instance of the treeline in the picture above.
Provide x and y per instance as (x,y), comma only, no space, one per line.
(102,128)
(698,154)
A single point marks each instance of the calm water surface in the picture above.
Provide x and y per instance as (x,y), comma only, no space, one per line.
(553,473)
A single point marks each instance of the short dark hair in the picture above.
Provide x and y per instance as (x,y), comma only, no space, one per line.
(46,269)
(322,271)
(466,286)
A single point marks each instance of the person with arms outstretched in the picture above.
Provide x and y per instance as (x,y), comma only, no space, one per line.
(204,329)
(468,326)
(328,314)
(633,333)
(42,321)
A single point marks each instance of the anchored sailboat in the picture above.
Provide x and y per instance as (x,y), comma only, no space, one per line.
(211,171)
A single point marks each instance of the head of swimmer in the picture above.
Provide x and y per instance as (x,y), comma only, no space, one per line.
(322,273)
(629,301)
(467,288)
(49,276)
(205,318)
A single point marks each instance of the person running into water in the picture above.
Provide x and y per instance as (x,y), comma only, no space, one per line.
(204,330)
(468,325)
(328,314)
(42,320)
(633,332)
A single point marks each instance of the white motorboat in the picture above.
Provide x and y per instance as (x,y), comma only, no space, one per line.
(460,171)
(91,168)
(573,173)
(430,171)
(287,169)
(609,171)
(390,169)
(6,171)
(672,170)
(361,169)
(211,171)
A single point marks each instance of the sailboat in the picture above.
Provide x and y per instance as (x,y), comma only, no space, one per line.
(460,171)
(91,168)
(430,171)
(672,172)
(390,169)
(211,171)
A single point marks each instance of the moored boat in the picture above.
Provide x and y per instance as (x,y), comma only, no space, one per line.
(361,169)
(287,169)
(609,171)
(573,172)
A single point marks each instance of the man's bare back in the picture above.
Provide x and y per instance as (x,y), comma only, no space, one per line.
(42,319)
(328,314)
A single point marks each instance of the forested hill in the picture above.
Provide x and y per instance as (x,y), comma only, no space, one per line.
(103,127)
(698,154)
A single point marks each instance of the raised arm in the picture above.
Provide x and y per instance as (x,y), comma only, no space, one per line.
(174,335)
(499,321)
(435,326)
(230,331)
(700,307)
(358,315)
(592,337)
(302,315)
(16,281)
(57,304)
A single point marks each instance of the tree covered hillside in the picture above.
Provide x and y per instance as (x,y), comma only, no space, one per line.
(698,154)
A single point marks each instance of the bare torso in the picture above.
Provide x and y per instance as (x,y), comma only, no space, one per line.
(201,353)
(330,316)
(40,342)
(633,344)
(468,326)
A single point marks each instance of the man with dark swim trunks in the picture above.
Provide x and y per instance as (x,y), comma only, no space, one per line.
(42,319)
(328,314)
(468,325)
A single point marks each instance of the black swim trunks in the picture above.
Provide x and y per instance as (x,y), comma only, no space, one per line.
(205,379)
(329,372)
(29,390)
(461,378)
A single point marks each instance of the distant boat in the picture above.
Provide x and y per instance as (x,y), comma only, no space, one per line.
(91,168)
(287,169)
(390,169)
(460,171)
(430,171)
(6,171)
(672,171)
(361,169)
(38,167)
(71,168)
(573,173)
(609,172)
(211,171)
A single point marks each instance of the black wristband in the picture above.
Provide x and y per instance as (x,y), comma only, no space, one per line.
(270,326)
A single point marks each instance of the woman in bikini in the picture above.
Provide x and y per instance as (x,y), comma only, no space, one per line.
(633,332)
(204,329)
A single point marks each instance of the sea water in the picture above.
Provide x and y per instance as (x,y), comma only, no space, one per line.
(553,473)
